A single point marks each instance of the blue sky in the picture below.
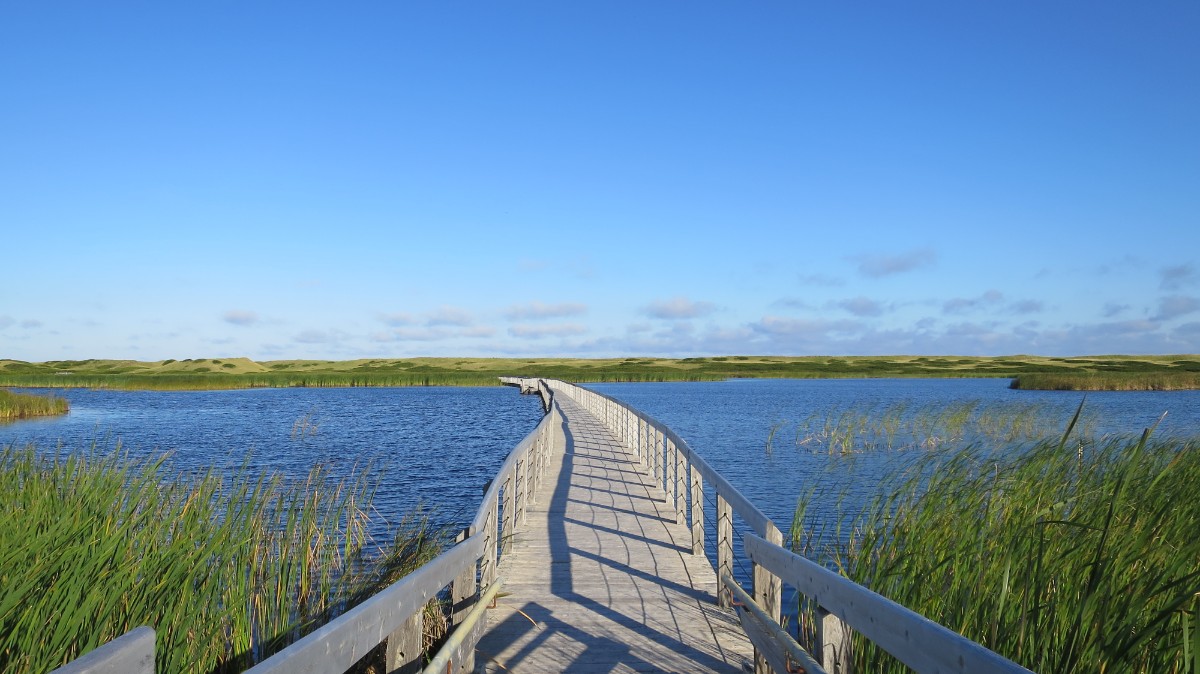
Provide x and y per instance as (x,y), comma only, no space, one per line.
(394,179)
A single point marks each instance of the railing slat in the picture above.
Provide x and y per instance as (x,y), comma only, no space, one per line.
(130,653)
(915,640)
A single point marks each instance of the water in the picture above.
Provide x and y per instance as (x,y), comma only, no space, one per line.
(433,446)
(728,423)
(438,446)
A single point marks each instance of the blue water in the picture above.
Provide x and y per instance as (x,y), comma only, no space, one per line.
(435,447)
(438,446)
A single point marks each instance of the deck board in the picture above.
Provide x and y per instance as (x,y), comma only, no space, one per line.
(601,578)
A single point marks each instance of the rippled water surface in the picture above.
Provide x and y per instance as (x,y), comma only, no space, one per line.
(434,446)
(728,423)
(439,446)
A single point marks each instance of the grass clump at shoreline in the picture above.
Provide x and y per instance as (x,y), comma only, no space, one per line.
(1110,381)
(227,570)
(23,405)
(232,373)
(1064,557)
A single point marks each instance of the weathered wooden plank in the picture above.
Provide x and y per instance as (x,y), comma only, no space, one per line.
(604,578)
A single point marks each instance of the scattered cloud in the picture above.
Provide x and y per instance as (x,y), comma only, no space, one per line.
(792,303)
(242,318)
(1113,309)
(678,308)
(398,319)
(862,306)
(448,315)
(1176,306)
(1178,276)
(821,280)
(1023,307)
(539,331)
(6,321)
(879,266)
(960,305)
(537,310)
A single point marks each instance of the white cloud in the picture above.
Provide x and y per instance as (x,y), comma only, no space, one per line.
(242,318)
(1176,306)
(677,308)
(448,315)
(862,306)
(878,266)
(1178,276)
(397,318)
(537,310)
(539,331)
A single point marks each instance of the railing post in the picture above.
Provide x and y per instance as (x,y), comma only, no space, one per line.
(724,549)
(659,468)
(768,593)
(681,489)
(833,637)
(521,470)
(697,513)
(506,529)
(487,571)
(403,651)
(464,586)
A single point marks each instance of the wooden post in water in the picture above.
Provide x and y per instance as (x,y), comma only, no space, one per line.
(403,651)
(724,550)
(768,593)
(697,513)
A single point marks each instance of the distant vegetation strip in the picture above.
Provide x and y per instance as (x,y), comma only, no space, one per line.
(228,570)
(1092,372)
(22,405)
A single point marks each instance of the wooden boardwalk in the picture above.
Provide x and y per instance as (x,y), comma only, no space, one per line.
(601,578)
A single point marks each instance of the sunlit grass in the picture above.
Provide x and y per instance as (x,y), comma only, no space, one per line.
(22,405)
(227,570)
(1065,555)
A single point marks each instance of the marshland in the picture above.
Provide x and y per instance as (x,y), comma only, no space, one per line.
(354,467)
(1170,372)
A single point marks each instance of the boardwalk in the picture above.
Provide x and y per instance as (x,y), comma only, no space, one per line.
(601,578)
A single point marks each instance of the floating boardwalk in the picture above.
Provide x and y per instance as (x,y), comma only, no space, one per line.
(601,577)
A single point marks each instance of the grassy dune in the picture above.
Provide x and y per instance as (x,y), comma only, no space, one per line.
(1179,371)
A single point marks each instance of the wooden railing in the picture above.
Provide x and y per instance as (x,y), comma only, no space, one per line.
(468,571)
(843,605)
(395,615)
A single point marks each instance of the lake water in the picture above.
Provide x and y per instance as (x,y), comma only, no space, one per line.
(438,446)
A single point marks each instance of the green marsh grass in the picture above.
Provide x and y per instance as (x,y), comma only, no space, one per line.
(228,570)
(1066,555)
(23,405)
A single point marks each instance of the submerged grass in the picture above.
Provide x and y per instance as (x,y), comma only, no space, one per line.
(23,405)
(1064,556)
(228,570)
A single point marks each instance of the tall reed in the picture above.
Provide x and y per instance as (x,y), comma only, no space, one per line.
(226,569)
(22,405)
(1065,557)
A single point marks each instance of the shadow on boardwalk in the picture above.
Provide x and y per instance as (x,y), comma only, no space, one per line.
(599,580)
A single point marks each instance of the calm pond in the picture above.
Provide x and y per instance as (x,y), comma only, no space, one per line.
(438,446)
